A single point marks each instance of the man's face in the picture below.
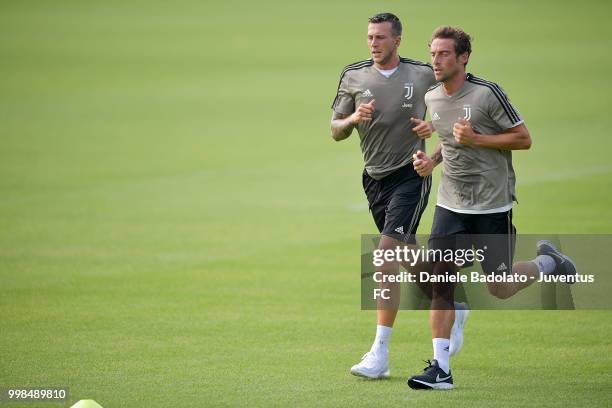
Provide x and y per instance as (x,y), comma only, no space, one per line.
(444,59)
(382,43)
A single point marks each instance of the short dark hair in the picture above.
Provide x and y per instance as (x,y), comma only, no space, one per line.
(463,41)
(396,25)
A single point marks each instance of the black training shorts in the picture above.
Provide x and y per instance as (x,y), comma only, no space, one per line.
(494,234)
(397,202)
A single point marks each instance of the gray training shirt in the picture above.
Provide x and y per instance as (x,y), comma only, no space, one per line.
(387,141)
(474,179)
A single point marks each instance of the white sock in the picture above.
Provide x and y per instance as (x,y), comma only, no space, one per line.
(545,263)
(441,353)
(381,342)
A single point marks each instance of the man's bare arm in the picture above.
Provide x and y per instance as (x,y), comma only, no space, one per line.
(516,138)
(341,126)
(436,156)
(424,164)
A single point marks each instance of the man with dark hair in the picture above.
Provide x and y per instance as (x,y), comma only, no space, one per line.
(383,98)
(462,40)
(396,24)
(478,128)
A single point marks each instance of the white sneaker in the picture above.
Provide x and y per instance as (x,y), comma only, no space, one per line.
(372,366)
(456,338)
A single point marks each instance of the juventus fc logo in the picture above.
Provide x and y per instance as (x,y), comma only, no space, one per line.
(409,90)
(467,112)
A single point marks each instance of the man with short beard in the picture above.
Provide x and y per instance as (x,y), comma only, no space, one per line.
(478,128)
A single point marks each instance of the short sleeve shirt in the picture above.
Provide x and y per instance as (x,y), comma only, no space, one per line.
(474,179)
(387,141)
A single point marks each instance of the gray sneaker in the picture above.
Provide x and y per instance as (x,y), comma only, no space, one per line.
(565,265)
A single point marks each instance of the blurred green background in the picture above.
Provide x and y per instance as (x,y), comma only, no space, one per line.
(177,228)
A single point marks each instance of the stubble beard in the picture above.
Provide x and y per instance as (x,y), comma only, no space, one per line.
(448,76)
(386,59)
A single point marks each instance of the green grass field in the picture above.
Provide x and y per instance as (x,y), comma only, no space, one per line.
(177,228)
